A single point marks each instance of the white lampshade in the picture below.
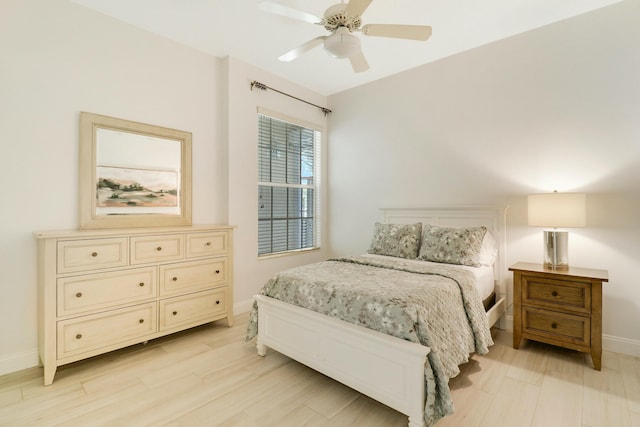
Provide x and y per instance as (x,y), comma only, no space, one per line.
(342,44)
(557,210)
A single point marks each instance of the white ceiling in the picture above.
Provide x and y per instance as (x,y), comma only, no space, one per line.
(236,28)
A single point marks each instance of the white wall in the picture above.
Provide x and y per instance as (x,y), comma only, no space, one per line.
(59,59)
(250,272)
(554,108)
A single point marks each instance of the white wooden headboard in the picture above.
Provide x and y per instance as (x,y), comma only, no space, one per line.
(492,217)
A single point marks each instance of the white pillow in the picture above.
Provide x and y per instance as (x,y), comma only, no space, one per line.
(488,250)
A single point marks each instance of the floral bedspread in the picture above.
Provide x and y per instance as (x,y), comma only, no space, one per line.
(435,305)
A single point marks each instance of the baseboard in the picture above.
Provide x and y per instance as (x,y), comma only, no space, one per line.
(243,306)
(18,361)
(507,325)
(621,345)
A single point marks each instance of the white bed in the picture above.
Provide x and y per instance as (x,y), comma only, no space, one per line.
(385,368)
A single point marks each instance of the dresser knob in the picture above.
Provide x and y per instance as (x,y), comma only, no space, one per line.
(218,302)
(175,313)
(78,336)
(554,293)
(141,320)
(554,325)
(79,294)
(175,279)
(94,254)
(217,271)
(141,284)
(159,248)
(208,243)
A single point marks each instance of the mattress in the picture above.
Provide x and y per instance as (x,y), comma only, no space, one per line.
(485,276)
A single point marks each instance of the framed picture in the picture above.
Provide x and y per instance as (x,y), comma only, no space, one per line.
(133,174)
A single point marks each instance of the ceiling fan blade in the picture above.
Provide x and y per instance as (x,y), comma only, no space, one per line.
(411,32)
(357,7)
(298,51)
(289,12)
(359,62)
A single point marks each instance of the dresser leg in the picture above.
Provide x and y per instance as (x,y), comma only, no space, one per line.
(49,373)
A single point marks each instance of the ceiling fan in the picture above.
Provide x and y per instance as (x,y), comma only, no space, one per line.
(342,20)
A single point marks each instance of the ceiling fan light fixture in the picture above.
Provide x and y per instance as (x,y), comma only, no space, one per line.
(342,44)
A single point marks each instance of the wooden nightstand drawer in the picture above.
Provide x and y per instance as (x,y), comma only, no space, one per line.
(573,296)
(555,325)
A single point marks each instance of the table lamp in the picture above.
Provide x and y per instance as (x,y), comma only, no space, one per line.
(556,210)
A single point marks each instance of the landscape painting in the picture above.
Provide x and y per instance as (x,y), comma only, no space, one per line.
(128,187)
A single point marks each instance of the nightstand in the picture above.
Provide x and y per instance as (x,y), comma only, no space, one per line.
(559,307)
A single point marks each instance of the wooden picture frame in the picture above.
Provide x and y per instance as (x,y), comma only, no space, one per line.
(133,174)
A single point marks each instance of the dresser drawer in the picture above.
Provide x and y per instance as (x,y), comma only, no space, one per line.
(572,296)
(83,255)
(207,244)
(84,334)
(192,309)
(80,294)
(558,326)
(157,248)
(192,276)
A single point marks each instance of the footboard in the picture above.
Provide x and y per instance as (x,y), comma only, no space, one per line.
(385,368)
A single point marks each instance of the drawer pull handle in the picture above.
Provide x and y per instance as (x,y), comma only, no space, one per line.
(159,248)
(175,279)
(79,294)
(141,284)
(208,243)
(94,254)
(78,336)
(554,293)
(217,301)
(175,313)
(217,271)
(554,325)
(141,320)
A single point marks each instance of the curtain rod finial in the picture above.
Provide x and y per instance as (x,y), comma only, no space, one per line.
(259,85)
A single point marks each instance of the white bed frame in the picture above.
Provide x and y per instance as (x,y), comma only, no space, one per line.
(387,369)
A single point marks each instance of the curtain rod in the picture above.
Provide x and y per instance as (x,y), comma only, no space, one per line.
(263,86)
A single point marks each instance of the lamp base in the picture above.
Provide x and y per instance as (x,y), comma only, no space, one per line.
(556,250)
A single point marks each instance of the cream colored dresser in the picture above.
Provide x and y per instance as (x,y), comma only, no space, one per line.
(102,290)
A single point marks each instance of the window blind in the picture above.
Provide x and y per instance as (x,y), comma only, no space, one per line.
(287,189)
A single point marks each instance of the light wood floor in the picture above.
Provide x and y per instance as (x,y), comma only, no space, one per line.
(209,377)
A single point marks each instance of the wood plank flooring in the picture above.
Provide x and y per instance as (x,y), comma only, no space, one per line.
(209,377)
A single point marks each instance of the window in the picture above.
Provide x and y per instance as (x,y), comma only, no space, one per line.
(288,183)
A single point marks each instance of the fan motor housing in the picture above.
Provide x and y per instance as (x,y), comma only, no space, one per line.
(334,17)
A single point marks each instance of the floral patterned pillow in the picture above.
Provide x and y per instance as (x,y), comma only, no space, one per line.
(399,240)
(452,245)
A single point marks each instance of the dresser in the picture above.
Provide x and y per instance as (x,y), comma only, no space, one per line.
(102,290)
(559,307)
